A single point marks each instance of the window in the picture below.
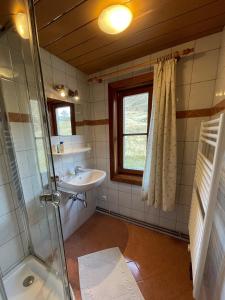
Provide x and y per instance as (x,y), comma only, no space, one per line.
(63,120)
(129,114)
(61,117)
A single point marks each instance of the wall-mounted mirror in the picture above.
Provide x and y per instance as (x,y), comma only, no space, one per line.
(61,117)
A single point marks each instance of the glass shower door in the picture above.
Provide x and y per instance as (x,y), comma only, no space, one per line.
(26,146)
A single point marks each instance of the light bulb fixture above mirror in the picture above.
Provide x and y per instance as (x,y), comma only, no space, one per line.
(66,92)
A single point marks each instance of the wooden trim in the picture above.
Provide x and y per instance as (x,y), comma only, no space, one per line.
(127,178)
(92,122)
(133,82)
(120,95)
(53,104)
(115,90)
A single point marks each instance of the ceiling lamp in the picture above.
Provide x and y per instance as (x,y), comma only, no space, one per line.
(115,19)
(21,24)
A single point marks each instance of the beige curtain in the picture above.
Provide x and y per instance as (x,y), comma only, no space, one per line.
(159,179)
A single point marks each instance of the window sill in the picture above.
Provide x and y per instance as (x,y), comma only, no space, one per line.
(127,178)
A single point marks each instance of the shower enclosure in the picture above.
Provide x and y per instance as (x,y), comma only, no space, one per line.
(32,262)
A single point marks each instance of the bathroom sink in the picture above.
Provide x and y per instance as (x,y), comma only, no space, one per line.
(86,180)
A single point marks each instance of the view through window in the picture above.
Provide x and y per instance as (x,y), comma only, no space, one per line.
(61,117)
(130,102)
(63,120)
(135,127)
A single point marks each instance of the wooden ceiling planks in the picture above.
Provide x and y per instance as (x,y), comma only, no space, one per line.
(70,31)
(47,11)
(64,27)
(169,40)
(131,38)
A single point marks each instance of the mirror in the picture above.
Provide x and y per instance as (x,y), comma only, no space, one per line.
(61,117)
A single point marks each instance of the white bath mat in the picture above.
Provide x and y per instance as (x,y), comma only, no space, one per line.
(104,275)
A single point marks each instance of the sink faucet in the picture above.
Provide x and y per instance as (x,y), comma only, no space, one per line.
(77,170)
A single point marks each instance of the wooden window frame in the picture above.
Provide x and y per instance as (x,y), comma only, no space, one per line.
(116,90)
(52,106)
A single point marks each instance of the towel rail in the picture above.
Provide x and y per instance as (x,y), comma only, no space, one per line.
(204,194)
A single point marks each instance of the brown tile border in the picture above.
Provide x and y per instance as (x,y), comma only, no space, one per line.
(92,122)
(18,118)
(205,112)
(194,113)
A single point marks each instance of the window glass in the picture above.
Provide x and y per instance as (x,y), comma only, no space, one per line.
(63,120)
(134,152)
(135,113)
(135,126)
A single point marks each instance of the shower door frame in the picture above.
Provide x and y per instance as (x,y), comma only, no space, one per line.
(44,109)
(34,47)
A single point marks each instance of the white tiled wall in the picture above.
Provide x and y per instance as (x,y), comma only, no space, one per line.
(73,214)
(196,80)
(13,240)
(215,253)
(56,71)
(220,79)
(195,89)
(13,245)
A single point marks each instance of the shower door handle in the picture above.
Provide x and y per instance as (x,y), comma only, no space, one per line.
(54,198)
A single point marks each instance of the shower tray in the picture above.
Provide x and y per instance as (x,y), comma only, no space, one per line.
(45,286)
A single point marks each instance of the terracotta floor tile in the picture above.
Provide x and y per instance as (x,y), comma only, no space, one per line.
(158,262)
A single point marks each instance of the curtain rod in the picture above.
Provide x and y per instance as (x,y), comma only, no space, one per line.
(177,55)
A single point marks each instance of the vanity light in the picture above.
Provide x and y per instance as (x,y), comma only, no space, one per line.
(62,93)
(76,95)
(65,92)
(115,19)
(60,88)
(73,94)
(21,24)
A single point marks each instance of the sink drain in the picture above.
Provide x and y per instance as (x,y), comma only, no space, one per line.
(28,281)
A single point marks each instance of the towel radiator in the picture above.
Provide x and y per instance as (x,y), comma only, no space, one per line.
(211,144)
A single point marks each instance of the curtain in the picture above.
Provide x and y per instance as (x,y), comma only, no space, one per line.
(159,178)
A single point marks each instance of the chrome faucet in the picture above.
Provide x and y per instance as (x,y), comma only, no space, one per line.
(77,170)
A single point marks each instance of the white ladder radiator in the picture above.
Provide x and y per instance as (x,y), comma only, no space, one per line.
(211,143)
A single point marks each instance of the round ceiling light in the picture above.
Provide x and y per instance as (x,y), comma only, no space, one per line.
(115,19)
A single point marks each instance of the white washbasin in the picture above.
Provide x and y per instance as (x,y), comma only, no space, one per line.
(87,179)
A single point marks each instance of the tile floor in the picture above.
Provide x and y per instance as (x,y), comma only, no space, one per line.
(159,263)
